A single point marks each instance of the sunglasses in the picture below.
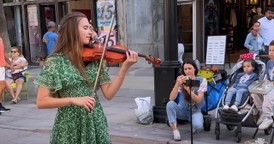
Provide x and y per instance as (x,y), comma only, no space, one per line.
(13,51)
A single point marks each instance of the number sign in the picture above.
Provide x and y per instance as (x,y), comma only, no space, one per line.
(112,37)
(105,11)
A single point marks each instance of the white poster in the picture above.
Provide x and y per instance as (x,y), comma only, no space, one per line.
(216,47)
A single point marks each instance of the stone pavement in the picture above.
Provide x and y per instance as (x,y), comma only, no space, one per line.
(25,124)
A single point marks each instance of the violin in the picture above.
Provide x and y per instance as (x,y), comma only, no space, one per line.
(114,54)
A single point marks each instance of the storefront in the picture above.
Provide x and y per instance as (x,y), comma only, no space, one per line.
(190,27)
(26,21)
(139,29)
(199,19)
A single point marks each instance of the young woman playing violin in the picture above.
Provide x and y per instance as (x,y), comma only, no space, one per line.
(66,83)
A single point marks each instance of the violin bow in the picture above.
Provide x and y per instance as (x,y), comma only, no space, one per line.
(103,55)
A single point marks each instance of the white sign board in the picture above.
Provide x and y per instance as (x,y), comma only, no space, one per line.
(216,46)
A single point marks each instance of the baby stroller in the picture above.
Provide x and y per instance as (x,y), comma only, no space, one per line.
(217,82)
(246,116)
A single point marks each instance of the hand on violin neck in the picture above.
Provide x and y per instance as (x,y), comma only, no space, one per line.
(132,58)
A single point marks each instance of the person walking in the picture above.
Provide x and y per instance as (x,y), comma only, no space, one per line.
(50,36)
(266,28)
(254,42)
(66,82)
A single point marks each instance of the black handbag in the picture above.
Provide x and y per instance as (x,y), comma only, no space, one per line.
(15,76)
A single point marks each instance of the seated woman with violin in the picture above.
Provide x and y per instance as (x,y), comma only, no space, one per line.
(15,73)
(68,81)
(193,99)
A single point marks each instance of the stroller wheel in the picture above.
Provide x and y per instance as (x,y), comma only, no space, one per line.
(230,127)
(268,131)
(238,137)
(217,131)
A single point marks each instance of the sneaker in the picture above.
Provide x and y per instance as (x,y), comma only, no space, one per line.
(260,120)
(234,108)
(3,109)
(176,135)
(195,132)
(267,122)
(225,108)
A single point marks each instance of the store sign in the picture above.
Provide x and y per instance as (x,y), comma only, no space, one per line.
(105,12)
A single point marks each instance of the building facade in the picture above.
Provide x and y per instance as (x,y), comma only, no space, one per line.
(139,25)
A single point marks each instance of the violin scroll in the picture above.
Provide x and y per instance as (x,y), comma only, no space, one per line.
(154,61)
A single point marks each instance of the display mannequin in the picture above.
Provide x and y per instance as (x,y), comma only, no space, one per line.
(258,15)
(251,16)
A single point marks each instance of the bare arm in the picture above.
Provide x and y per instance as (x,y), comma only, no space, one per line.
(44,100)
(20,65)
(110,89)
(7,60)
(174,91)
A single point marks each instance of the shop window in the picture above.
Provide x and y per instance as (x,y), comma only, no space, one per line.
(185,26)
(251,2)
(10,1)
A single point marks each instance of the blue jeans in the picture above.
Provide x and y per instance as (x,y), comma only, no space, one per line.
(175,111)
(238,98)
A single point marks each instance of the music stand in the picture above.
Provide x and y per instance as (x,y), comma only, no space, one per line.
(191,83)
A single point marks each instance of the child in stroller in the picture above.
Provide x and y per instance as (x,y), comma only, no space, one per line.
(246,116)
(240,86)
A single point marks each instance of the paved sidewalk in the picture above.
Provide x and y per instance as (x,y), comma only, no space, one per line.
(25,124)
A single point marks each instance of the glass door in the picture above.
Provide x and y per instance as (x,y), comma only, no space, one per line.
(47,13)
(185,25)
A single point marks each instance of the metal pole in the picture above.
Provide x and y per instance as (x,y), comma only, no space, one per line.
(170,33)
(167,72)
(18,29)
(190,113)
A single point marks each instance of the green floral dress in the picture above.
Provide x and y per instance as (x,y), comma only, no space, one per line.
(74,124)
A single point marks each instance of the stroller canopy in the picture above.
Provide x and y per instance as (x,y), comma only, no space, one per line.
(260,68)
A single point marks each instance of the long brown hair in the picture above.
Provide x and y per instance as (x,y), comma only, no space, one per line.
(191,62)
(68,41)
